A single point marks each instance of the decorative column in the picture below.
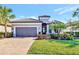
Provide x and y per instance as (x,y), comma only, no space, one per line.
(14,31)
(47,29)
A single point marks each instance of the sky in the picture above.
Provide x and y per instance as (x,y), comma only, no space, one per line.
(61,12)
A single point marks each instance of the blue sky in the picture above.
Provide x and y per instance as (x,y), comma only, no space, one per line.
(61,12)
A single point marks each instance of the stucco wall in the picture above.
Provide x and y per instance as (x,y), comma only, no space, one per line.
(44,19)
(38,25)
(2,29)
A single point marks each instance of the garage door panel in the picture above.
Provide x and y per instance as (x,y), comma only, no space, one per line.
(26,31)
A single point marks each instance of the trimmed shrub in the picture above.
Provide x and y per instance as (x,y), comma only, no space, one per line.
(54,36)
(8,35)
(70,37)
(76,33)
(1,34)
(64,36)
(43,36)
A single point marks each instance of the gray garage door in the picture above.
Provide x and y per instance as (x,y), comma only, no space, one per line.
(26,32)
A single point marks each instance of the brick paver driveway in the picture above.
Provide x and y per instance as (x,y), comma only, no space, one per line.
(15,46)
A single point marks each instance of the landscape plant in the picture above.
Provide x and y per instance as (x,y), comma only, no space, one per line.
(5,16)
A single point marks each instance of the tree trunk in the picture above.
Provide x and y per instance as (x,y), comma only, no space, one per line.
(5,27)
(59,34)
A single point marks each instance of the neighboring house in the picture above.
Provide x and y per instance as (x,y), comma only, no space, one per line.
(70,29)
(29,27)
(2,29)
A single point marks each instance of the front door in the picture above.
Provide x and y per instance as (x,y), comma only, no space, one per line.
(44,28)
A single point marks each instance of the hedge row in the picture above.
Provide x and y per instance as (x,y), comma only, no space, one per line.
(8,35)
(76,33)
(64,36)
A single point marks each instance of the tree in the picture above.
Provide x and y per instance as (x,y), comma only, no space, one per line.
(76,13)
(74,24)
(5,16)
(57,27)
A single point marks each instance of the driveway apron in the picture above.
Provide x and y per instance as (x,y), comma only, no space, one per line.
(15,46)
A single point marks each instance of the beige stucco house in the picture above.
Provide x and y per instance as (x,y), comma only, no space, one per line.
(29,27)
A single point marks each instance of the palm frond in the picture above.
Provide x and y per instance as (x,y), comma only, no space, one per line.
(77,9)
(75,14)
(0,7)
(9,10)
(12,16)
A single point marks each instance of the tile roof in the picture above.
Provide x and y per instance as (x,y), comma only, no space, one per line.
(44,16)
(26,20)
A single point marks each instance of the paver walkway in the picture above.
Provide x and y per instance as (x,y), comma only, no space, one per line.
(15,46)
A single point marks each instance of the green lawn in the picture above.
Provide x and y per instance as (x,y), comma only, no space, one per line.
(55,47)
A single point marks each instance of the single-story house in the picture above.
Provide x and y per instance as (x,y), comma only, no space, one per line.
(29,27)
(70,29)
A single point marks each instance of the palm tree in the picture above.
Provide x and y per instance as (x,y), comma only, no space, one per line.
(76,13)
(5,16)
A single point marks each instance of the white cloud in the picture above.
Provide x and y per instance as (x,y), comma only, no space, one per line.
(58,9)
(67,10)
(64,10)
(24,17)
(32,17)
(28,17)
